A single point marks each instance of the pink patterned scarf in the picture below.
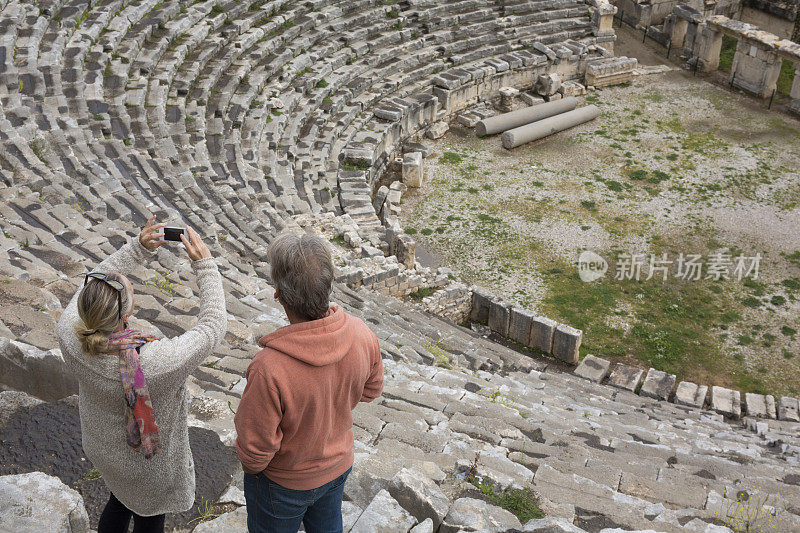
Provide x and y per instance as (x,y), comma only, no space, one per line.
(140,424)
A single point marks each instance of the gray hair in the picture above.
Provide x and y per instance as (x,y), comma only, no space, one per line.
(302,269)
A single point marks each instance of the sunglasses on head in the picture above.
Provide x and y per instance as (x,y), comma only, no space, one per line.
(114,284)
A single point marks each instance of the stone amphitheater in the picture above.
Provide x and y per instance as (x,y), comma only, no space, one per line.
(244,119)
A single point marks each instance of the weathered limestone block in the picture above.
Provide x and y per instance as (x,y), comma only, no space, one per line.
(794,94)
(626,377)
(560,510)
(726,402)
(368,478)
(519,326)
(677,29)
(542,329)
(36,502)
(690,394)
(551,525)
(610,71)
(425,526)
(788,409)
(546,50)
(420,496)
(469,514)
(413,169)
(755,69)
(481,302)
(566,343)
(380,199)
(507,95)
(572,88)
(437,130)
(658,384)
(499,315)
(416,147)
(350,513)
(530,99)
(603,18)
(467,119)
(40,373)
(593,368)
(383,515)
(759,405)
(401,246)
(548,84)
(709,45)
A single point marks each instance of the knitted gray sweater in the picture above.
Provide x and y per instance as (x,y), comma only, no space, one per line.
(165,483)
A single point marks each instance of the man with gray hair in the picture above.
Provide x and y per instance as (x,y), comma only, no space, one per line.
(294,423)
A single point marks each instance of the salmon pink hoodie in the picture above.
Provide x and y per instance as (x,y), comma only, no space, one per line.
(294,422)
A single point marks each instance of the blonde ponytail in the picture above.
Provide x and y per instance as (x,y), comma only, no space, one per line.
(93,342)
(99,313)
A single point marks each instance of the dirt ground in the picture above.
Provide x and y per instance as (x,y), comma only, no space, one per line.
(674,165)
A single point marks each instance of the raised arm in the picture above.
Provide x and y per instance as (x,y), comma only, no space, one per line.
(176,358)
(137,251)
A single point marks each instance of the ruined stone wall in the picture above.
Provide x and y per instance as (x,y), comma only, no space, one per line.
(645,13)
(768,20)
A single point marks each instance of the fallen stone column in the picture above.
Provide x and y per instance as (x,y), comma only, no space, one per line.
(520,117)
(549,126)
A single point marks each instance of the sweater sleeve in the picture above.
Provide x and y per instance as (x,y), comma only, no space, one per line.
(127,258)
(374,385)
(176,358)
(257,422)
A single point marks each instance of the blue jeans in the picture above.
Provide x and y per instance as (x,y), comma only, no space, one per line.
(272,508)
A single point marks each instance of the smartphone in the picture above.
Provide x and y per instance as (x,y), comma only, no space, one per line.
(173,234)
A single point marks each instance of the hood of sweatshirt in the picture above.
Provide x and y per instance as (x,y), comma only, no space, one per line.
(316,342)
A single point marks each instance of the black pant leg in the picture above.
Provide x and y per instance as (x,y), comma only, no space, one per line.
(115,517)
(148,524)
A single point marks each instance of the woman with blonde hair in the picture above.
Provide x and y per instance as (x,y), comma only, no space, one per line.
(132,386)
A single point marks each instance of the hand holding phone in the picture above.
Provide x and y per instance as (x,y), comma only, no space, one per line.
(150,236)
(195,247)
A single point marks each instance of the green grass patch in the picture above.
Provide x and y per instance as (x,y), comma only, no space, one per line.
(522,503)
(786,77)
(421,293)
(450,158)
(357,166)
(92,474)
(727,52)
(637,175)
(673,323)
(777,300)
